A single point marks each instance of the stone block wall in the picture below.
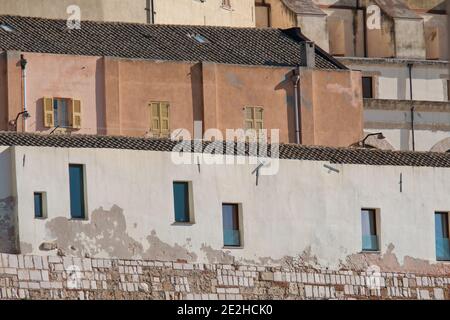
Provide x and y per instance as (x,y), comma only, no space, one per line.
(55,277)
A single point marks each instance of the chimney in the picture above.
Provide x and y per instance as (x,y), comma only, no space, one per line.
(309,53)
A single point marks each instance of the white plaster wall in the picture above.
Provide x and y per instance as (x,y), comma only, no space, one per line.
(315,28)
(5,172)
(429,81)
(409,38)
(401,137)
(210,12)
(97,10)
(303,206)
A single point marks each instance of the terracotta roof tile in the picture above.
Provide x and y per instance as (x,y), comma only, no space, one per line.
(286,151)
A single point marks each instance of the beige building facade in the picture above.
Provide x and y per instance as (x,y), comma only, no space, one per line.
(233,13)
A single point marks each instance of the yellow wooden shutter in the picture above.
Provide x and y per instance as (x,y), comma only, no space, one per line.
(258,116)
(165,125)
(155,123)
(49,118)
(75,113)
(248,118)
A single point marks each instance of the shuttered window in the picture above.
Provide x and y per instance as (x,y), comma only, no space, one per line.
(254,118)
(62,112)
(160,124)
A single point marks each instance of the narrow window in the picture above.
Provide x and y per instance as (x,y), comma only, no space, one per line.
(262,12)
(159,122)
(367,86)
(77,205)
(231,228)
(181,202)
(60,112)
(442,236)
(369,230)
(39,205)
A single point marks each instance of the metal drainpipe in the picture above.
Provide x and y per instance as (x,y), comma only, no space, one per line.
(296,81)
(23,65)
(150,12)
(410,66)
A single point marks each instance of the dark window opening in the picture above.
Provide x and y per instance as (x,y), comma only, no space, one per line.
(367,87)
(38,205)
(77,205)
(181,201)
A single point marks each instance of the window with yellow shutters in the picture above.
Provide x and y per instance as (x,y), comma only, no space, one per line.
(160,123)
(49,118)
(75,114)
(62,113)
(254,119)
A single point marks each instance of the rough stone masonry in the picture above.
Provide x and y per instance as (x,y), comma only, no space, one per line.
(55,277)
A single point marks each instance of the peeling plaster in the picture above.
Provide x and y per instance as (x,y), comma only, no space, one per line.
(8,231)
(162,251)
(388,262)
(104,235)
(217,256)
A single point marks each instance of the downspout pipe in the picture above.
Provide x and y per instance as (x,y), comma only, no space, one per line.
(296,82)
(413,138)
(23,66)
(150,12)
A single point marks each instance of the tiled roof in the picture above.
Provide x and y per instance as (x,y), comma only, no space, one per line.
(246,46)
(286,151)
(303,7)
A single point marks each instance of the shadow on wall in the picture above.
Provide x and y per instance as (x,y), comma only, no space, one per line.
(197,91)
(100,107)
(288,87)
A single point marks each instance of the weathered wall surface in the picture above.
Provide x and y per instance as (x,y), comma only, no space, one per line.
(310,221)
(391,78)
(211,12)
(97,10)
(393,118)
(8,215)
(36,277)
(331,107)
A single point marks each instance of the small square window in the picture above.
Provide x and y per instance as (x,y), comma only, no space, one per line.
(39,205)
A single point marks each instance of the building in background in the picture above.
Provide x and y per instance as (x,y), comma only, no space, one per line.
(151,80)
(401,47)
(233,13)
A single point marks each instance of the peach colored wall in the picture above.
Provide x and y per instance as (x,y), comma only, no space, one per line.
(269,88)
(3,93)
(331,107)
(65,76)
(13,88)
(141,82)
(116,93)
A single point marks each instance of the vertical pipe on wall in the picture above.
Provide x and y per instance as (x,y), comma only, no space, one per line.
(23,65)
(150,12)
(410,66)
(296,81)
